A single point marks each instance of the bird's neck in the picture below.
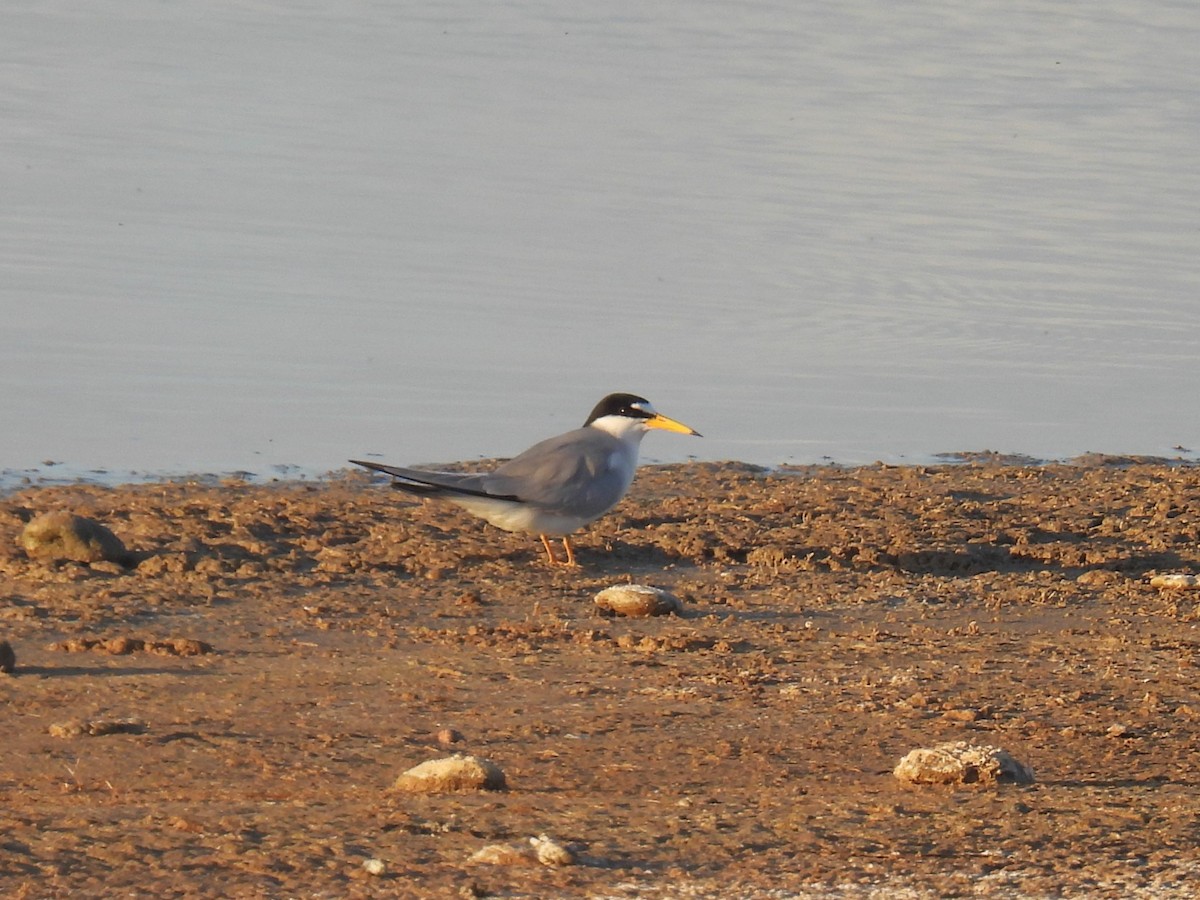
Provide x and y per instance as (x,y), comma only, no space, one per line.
(624,429)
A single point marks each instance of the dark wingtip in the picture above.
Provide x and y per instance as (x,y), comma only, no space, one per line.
(374,467)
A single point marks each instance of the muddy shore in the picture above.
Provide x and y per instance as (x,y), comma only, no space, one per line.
(227,715)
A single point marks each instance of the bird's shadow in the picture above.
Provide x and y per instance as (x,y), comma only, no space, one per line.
(603,556)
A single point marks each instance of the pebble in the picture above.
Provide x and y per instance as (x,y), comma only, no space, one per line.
(550,852)
(448,736)
(8,659)
(638,601)
(374,866)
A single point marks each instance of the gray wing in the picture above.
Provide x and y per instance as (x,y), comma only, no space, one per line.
(572,472)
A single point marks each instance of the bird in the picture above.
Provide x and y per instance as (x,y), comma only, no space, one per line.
(556,486)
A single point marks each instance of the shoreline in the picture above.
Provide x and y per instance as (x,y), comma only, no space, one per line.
(50,474)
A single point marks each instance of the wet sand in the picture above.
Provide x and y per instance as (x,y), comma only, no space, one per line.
(227,718)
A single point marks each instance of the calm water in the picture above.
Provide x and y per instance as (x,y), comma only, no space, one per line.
(242,235)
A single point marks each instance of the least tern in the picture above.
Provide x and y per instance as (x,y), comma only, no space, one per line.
(556,486)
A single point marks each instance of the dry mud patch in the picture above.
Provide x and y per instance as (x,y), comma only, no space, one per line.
(287,650)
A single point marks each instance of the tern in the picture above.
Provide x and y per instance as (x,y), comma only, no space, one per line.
(556,486)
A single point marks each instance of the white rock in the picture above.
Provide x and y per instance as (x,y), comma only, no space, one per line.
(61,535)
(961,763)
(541,849)
(638,600)
(1176,581)
(550,852)
(453,773)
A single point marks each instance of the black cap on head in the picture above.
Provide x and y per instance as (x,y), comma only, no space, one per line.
(630,405)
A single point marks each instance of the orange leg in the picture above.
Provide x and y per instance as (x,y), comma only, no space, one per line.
(550,552)
(549,549)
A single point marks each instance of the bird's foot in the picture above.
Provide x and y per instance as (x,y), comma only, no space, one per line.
(569,562)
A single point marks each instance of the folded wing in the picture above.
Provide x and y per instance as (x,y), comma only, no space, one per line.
(573,473)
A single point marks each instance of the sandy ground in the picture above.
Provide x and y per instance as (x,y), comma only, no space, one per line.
(282,652)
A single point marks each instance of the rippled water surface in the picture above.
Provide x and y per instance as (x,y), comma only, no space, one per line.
(236,236)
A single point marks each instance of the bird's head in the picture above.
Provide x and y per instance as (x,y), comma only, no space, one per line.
(621,414)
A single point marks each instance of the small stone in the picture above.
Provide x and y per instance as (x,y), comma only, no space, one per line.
(74,645)
(69,729)
(374,866)
(122,646)
(961,763)
(550,852)
(1099,577)
(61,535)
(8,659)
(448,736)
(638,601)
(184,647)
(459,772)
